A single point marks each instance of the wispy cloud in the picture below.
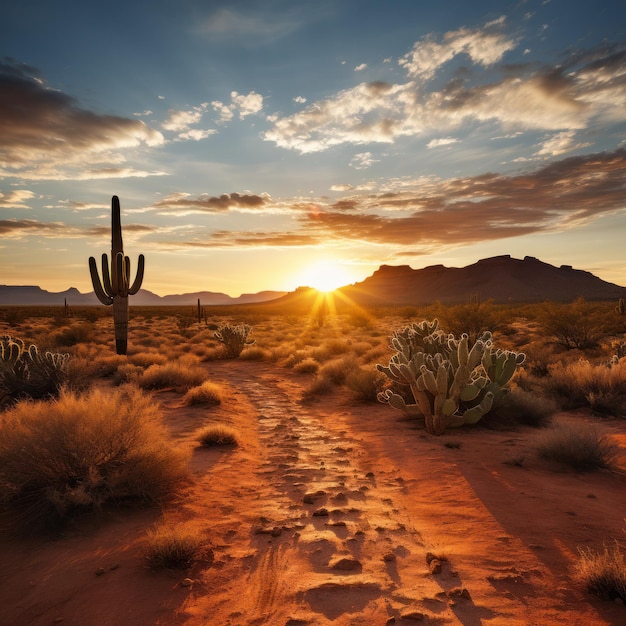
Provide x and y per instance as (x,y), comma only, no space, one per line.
(15,199)
(588,89)
(44,132)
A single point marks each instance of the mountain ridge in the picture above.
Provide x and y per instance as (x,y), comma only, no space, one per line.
(500,278)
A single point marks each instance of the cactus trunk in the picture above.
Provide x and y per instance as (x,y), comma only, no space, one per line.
(115,286)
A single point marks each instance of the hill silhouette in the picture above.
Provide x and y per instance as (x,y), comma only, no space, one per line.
(501,279)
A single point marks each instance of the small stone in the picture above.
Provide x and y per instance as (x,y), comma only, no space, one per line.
(345,564)
(369,475)
(114,566)
(435,566)
(459,592)
(309,498)
(414,615)
(100,571)
(389,557)
(186,582)
(320,512)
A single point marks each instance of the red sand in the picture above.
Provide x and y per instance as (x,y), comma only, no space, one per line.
(329,513)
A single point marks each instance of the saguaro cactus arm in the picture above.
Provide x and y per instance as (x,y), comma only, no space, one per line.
(115,286)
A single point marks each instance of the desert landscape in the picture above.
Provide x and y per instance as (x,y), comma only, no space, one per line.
(293,496)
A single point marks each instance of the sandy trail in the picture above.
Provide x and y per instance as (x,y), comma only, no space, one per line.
(331,513)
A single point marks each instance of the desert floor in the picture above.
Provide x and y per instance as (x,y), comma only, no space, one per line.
(331,513)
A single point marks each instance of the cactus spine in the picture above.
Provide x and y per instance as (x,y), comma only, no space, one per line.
(115,286)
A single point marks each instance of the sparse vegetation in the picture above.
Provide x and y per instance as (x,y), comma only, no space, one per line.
(177,375)
(217,435)
(208,393)
(73,454)
(581,447)
(603,573)
(234,338)
(174,546)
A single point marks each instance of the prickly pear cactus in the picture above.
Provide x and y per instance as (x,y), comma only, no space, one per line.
(234,338)
(26,372)
(452,382)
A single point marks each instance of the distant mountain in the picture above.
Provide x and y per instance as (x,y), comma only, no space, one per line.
(36,296)
(500,278)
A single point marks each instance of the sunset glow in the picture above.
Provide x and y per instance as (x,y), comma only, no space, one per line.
(242,144)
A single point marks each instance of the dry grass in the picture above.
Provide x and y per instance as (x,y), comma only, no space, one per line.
(174,547)
(177,375)
(306,366)
(603,573)
(208,393)
(578,446)
(217,435)
(78,452)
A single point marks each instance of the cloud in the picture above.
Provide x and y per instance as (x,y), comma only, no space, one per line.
(45,133)
(557,197)
(363,161)
(15,199)
(361,67)
(299,100)
(484,47)
(444,141)
(20,229)
(588,89)
(249,27)
(245,104)
(184,204)
(560,144)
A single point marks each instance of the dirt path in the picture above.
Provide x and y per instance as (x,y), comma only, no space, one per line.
(347,509)
(332,513)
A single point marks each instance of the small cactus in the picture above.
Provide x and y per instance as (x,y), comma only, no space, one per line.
(452,383)
(28,372)
(115,286)
(234,338)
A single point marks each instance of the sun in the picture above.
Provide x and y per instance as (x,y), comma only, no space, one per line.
(325,276)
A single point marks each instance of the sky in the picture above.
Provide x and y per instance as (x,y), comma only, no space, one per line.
(269,145)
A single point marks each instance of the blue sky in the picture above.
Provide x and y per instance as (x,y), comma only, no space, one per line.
(267,145)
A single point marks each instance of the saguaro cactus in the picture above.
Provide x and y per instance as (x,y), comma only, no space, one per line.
(115,286)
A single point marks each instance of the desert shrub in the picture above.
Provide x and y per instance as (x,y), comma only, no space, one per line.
(583,384)
(255,353)
(127,373)
(519,406)
(206,393)
(575,325)
(365,384)
(145,359)
(320,386)
(234,338)
(174,547)
(337,370)
(581,447)
(330,348)
(603,573)
(176,375)
(61,457)
(473,319)
(295,357)
(73,335)
(217,435)
(306,366)
(29,373)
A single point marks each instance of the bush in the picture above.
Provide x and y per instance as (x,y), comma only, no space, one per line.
(234,338)
(520,407)
(306,366)
(175,375)
(217,435)
(580,447)
(576,325)
(76,453)
(603,573)
(174,547)
(365,384)
(582,384)
(206,393)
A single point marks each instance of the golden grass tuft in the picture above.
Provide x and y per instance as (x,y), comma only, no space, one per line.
(208,392)
(174,547)
(217,435)
(603,573)
(581,447)
(78,452)
(176,374)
